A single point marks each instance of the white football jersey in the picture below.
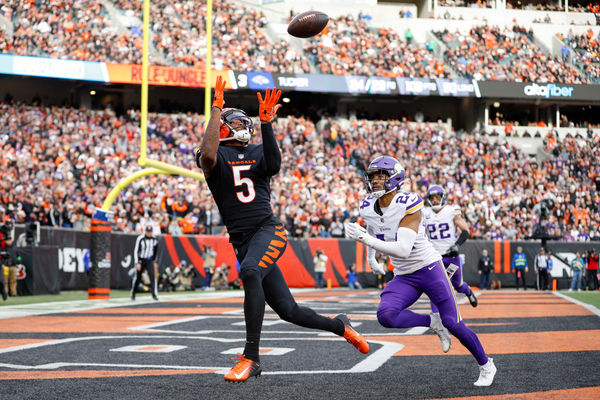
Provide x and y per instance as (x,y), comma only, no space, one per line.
(385,226)
(440,226)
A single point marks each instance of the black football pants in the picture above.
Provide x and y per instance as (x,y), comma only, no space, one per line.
(263,281)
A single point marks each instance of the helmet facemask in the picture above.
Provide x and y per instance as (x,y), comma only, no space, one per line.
(433,191)
(242,133)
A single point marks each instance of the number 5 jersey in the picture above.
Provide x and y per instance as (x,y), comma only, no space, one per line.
(240,184)
(384,223)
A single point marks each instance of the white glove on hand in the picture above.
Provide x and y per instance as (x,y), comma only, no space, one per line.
(356,232)
(377,267)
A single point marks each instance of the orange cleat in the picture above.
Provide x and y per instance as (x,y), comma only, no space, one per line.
(243,370)
(353,337)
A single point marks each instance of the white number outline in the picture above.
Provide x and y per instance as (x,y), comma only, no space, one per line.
(239,181)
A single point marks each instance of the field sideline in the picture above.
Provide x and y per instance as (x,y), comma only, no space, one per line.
(543,344)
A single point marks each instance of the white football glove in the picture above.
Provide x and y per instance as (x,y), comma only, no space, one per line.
(356,232)
(377,267)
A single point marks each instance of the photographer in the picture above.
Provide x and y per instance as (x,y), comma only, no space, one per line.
(320,262)
(9,260)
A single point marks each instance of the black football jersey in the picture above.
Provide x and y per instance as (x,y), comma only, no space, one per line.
(241,188)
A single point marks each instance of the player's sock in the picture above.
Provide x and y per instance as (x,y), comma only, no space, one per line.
(254,312)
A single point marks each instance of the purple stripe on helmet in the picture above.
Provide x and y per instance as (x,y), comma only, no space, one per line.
(435,189)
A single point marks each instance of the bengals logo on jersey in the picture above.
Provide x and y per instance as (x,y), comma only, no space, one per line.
(21,272)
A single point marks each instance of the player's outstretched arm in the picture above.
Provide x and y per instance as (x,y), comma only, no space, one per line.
(267,113)
(401,248)
(210,140)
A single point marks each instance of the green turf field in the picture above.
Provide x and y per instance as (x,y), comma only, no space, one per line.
(592,298)
(63,296)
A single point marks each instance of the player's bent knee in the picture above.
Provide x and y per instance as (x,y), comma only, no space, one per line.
(288,312)
(386,317)
(450,322)
(249,275)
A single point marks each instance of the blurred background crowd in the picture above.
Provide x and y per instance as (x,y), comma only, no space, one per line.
(58,163)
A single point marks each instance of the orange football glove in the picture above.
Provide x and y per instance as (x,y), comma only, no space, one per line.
(219,87)
(268,107)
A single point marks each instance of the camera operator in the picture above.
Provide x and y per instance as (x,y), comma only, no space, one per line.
(320,263)
(9,259)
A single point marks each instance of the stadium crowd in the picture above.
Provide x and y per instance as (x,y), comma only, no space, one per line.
(77,30)
(349,46)
(528,6)
(238,39)
(60,162)
(505,54)
(586,52)
(85,30)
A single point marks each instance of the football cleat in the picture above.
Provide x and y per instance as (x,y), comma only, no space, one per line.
(353,337)
(243,370)
(440,330)
(472,299)
(486,373)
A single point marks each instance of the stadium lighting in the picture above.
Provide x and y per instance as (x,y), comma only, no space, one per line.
(286,99)
(92,92)
(496,104)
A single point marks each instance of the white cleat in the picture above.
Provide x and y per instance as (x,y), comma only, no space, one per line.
(486,373)
(439,329)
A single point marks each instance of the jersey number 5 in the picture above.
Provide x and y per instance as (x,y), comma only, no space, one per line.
(239,181)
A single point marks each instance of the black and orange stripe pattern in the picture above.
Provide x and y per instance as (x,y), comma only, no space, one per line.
(275,248)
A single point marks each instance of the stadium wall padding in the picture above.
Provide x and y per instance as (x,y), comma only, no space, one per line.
(297,261)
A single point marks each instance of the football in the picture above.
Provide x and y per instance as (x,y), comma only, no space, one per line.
(308,24)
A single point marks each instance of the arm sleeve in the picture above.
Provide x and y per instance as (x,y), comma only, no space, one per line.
(272,155)
(464,235)
(400,248)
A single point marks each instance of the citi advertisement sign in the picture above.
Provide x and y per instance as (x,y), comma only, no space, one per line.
(547,91)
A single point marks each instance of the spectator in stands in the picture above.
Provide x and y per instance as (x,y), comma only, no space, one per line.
(504,54)
(519,267)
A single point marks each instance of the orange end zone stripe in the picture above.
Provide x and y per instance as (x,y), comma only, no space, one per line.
(506,257)
(503,343)
(587,393)
(98,297)
(99,290)
(497,256)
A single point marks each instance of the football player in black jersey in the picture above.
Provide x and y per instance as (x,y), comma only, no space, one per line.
(238,174)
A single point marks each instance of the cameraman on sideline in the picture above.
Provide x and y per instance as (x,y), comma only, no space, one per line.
(8,259)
